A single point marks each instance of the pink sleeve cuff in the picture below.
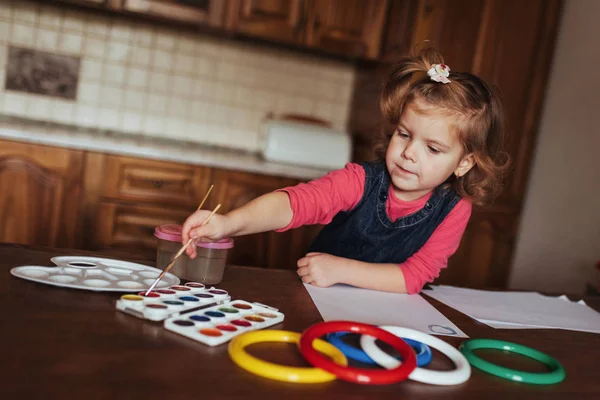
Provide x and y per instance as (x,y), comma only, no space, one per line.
(293,204)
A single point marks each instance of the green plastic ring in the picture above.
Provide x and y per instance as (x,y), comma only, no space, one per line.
(556,374)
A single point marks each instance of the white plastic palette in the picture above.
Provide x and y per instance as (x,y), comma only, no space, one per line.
(221,323)
(163,303)
(94,273)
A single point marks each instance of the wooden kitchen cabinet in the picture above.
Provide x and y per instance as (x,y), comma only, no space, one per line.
(347,27)
(279,20)
(344,27)
(40,191)
(128,228)
(156,182)
(485,251)
(127,197)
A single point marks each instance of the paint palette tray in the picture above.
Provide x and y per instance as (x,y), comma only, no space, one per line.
(94,273)
(175,300)
(221,323)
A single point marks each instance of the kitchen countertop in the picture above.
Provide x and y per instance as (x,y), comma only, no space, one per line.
(148,147)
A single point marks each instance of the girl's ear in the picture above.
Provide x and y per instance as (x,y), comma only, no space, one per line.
(464,165)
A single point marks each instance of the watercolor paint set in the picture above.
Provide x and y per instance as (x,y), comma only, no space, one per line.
(206,315)
(221,323)
(94,273)
(176,300)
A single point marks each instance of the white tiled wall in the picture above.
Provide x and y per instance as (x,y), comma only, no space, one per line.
(139,78)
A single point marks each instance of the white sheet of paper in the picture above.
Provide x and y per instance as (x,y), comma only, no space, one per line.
(519,310)
(342,302)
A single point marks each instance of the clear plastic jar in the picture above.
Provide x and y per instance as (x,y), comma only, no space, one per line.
(209,265)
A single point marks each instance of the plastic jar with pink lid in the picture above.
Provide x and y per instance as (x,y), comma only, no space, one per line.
(209,265)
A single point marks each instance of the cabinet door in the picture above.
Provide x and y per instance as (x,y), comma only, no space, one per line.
(348,27)
(278,20)
(401,19)
(455,28)
(156,182)
(485,252)
(126,198)
(130,228)
(234,189)
(39,194)
(208,12)
(530,43)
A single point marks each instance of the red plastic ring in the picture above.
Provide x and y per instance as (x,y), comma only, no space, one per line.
(358,375)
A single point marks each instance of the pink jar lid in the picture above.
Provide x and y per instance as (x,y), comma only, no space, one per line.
(225,243)
(172,233)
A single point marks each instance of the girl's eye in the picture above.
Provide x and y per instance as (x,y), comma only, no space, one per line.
(403,135)
(433,150)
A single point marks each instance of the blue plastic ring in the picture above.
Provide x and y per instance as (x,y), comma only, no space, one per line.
(422,351)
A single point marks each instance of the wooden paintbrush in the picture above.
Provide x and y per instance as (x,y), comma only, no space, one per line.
(205,197)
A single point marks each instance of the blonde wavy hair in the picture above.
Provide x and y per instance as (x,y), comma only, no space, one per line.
(479,112)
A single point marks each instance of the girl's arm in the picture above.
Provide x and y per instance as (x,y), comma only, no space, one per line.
(267,212)
(314,202)
(384,277)
(324,270)
(410,276)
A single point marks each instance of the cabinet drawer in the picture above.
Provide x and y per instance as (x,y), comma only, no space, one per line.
(126,226)
(154,181)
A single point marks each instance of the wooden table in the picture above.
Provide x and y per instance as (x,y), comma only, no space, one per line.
(68,344)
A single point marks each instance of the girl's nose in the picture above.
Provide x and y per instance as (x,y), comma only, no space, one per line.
(409,153)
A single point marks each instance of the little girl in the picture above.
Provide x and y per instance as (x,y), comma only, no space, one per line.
(391,224)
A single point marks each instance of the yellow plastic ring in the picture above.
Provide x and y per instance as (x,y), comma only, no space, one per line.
(279,372)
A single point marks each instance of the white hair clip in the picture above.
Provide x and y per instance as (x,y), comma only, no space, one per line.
(439,73)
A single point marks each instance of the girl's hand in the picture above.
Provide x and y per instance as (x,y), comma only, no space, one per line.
(214,230)
(320,269)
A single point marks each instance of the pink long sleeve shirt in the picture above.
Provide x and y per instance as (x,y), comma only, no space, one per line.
(318,201)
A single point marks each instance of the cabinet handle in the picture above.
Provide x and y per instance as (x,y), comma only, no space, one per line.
(317,23)
(157,183)
(301,23)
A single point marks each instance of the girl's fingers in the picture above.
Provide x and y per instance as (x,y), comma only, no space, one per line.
(307,279)
(207,232)
(302,271)
(193,221)
(303,262)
